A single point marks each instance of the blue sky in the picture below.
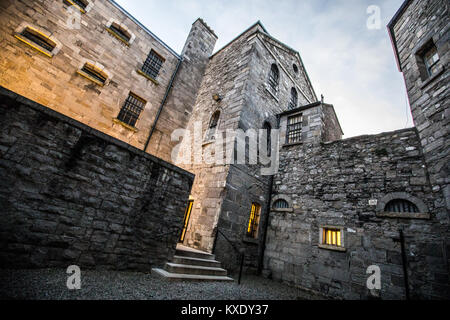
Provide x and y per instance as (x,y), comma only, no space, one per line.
(352,66)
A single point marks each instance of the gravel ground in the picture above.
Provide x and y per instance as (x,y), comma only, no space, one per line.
(43,284)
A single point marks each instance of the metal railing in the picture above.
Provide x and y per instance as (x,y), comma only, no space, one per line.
(239,252)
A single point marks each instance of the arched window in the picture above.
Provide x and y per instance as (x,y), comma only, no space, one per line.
(294,66)
(400,205)
(268,128)
(294,99)
(210,134)
(120,32)
(281,204)
(274,77)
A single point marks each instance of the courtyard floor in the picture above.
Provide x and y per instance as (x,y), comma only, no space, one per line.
(43,284)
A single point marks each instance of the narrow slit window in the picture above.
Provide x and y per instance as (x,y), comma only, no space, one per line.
(210,134)
(94,74)
(294,99)
(152,64)
(274,77)
(120,32)
(294,129)
(37,40)
(331,237)
(252,229)
(131,109)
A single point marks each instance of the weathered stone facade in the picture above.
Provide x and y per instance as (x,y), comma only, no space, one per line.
(72,195)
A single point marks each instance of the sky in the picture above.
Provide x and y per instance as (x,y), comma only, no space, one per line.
(352,65)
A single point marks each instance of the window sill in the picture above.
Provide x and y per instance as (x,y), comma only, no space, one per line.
(291,144)
(432,78)
(404,215)
(34,46)
(142,73)
(117,36)
(272,94)
(87,76)
(70,2)
(250,240)
(283,210)
(126,126)
(332,248)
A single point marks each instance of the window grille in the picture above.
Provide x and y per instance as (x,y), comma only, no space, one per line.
(131,109)
(431,59)
(274,78)
(401,205)
(120,32)
(294,99)
(294,129)
(95,73)
(252,230)
(331,237)
(152,64)
(281,204)
(39,39)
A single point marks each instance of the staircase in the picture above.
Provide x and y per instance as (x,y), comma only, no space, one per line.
(191,264)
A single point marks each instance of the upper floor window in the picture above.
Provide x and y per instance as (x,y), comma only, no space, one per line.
(431,59)
(152,64)
(93,73)
(255,213)
(79,4)
(37,40)
(131,109)
(294,66)
(294,99)
(294,129)
(281,204)
(400,205)
(268,129)
(120,32)
(274,77)
(210,134)
(428,61)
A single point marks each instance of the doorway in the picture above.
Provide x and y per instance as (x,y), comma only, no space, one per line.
(187,215)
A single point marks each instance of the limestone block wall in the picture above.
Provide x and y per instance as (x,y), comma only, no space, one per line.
(421,22)
(55,83)
(330,184)
(72,195)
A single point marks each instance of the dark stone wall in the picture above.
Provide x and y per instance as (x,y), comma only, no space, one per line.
(330,184)
(72,195)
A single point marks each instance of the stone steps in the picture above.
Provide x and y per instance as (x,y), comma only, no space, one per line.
(194,265)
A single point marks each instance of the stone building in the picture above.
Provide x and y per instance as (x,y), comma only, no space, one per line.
(331,208)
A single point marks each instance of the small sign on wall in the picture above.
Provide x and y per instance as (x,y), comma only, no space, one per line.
(373,202)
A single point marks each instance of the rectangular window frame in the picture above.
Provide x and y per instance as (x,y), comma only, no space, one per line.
(27,35)
(332,238)
(253,224)
(152,65)
(126,113)
(294,129)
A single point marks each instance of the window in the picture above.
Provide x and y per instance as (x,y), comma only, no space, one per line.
(331,237)
(294,99)
(281,204)
(252,230)
(210,134)
(37,40)
(295,68)
(274,77)
(80,4)
(431,59)
(119,32)
(93,73)
(294,129)
(268,129)
(401,205)
(131,109)
(152,64)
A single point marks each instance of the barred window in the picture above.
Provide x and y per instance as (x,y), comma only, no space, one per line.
(400,205)
(93,73)
(274,77)
(210,134)
(281,204)
(81,4)
(431,59)
(294,99)
(131,109)
(294,129)
(331,237)
(153,64)
(252,229)
(38,38)
(120,32)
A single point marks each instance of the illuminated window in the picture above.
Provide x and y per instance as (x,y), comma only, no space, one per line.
(93,73)
(400,205)
(79,4)
(120,32)
(331,237)
(294,99)
(131,109)
(152,64)
(281,204)
(252,229)
(210,134)
(37,40)
(274,77)
(294,129)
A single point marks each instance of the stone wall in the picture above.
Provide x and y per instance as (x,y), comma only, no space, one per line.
(72,195)
(330,184)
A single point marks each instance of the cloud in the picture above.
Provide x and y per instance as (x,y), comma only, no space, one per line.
(353,67)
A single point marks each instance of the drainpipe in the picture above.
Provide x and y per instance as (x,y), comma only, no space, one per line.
(162,103)
(401,239)
(266,222)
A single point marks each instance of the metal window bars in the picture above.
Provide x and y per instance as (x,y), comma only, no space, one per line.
(131,109)
(401,205)
(38,39)
(294,129)
(152,64)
